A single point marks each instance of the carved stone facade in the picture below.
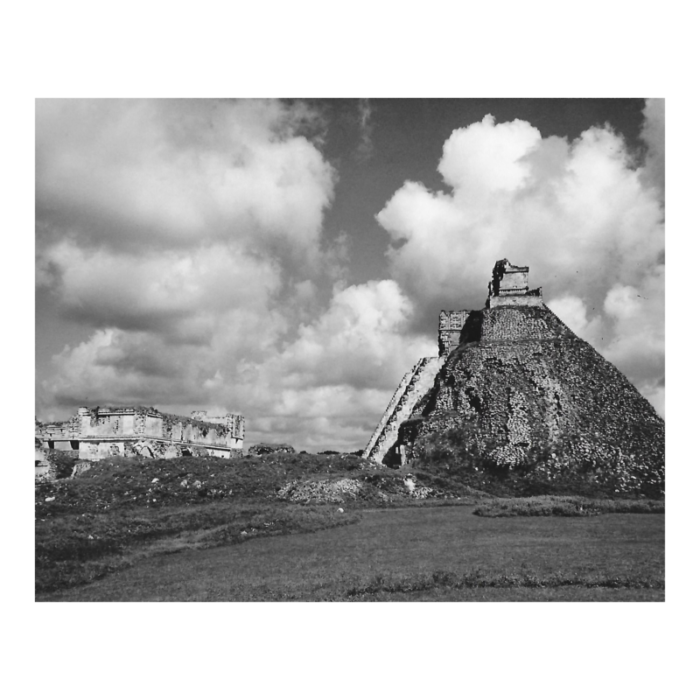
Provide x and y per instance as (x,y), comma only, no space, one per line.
(449,330)
(103,432)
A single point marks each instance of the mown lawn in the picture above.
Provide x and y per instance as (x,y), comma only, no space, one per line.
(412,554)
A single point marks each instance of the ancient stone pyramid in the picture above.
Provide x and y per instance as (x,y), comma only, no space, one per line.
(514,381)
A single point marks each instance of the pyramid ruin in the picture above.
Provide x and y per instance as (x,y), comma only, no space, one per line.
(513,383)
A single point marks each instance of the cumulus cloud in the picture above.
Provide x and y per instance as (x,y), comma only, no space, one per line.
(162,290)
(188,237)
(637,344)
(326,386)
(585,218)
(361,340)
(150,173)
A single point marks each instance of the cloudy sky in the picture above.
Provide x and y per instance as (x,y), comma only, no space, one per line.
(288,259)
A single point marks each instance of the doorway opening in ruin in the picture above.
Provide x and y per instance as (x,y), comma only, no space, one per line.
(186,452)
(75,444)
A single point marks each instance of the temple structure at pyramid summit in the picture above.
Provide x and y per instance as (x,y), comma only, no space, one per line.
(514,379)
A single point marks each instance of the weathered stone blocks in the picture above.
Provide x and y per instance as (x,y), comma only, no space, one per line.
(520,382)
(139,431)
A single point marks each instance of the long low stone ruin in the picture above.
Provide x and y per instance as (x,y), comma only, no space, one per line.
(94,434)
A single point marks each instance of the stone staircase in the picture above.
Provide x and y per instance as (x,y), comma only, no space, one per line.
(411,390)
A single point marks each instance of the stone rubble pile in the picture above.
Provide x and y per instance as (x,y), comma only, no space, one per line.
(342,491)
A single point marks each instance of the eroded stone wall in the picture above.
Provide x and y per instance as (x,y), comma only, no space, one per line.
(102,432)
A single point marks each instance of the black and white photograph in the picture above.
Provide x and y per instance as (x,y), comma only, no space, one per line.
(350,349)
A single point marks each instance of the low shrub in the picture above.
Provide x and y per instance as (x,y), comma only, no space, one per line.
(566,507)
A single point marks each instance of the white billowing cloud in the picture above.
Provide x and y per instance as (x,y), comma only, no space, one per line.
(495,157)
(146,173)
(161,289)
(582,215)
(324,387)
(637,346)
(577,214)
(188,237)
(361,340)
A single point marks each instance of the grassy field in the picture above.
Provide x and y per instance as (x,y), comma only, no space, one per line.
(332,527)
(412,554)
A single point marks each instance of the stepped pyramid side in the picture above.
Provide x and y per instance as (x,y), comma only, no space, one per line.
(521,382)
(530,383)
(413,387)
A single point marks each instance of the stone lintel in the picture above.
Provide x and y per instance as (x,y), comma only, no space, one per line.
(514,300)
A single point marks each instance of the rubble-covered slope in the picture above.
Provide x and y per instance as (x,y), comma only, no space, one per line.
(526,392)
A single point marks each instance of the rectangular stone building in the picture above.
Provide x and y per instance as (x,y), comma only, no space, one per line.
(102,432)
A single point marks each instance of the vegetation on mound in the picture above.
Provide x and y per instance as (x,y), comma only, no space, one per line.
(122,509)
(454,453)
(564,506)
(120,482)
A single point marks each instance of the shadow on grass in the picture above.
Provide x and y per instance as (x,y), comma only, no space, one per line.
(77,549)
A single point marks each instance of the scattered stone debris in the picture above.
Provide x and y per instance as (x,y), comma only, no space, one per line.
(42,466)
(80,468)
(321,491)
(390,487)
(266,448)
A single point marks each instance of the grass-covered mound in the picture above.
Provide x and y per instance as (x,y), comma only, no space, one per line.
(118,483)
(119,510)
